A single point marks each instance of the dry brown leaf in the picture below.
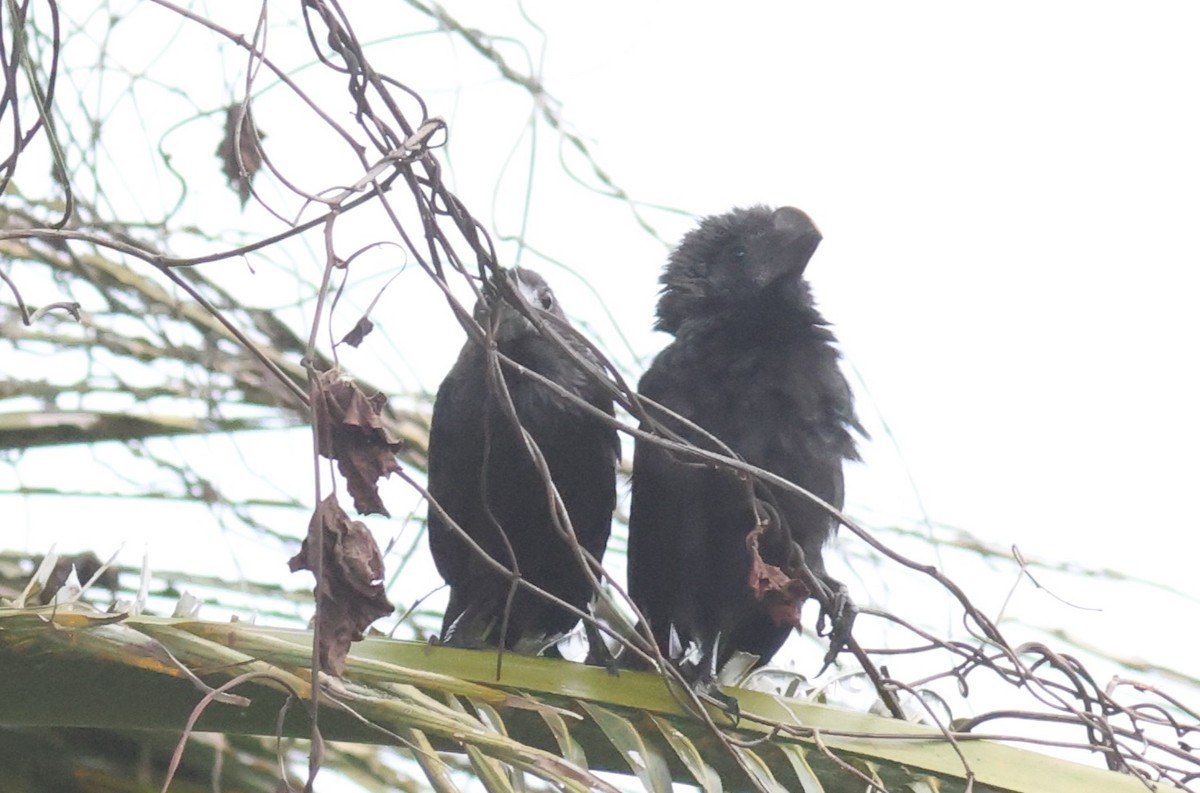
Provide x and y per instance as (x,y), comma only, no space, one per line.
(240,154)
(349,591)
(783,594)
(350,430)
(358,332)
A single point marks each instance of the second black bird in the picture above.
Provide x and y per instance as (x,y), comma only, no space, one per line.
(483,474)
(752,363)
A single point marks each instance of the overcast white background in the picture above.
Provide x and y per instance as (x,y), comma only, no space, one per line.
(1009,198)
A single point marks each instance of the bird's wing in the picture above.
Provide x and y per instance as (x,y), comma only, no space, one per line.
(455,466)
(668,527)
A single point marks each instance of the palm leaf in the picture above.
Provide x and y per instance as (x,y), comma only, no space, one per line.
(554,720)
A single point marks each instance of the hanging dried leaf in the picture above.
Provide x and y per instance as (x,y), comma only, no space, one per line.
(350,430)
(349,591)
(240,154)
(358,332)
(779,588)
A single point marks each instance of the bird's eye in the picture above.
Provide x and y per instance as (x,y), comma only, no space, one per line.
(546,299)
(739,251)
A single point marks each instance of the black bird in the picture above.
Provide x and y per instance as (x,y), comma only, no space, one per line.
(482,474)
(752,363)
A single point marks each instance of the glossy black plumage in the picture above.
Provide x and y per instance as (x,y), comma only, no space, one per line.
(753,363)
(482,475)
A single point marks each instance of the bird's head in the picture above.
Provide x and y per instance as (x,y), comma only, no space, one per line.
(733,258)
(498,308)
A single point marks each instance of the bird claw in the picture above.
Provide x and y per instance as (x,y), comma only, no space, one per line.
(703,677)
(706,689)
(598,653)
(841,615)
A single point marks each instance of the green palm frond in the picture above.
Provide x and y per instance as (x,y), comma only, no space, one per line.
(561,722)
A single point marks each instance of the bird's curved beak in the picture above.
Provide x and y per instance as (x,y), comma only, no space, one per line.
(794,238)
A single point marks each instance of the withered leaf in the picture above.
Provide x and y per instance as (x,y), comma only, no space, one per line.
(359,332)
(349,590)
(350,431)
(780,591)
(241,157)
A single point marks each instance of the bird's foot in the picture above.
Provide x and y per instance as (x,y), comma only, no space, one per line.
(841,614)
(598,653)
(702,674)
(707,689)
(470,630)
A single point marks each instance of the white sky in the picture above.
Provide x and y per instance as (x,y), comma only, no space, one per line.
(1009,197)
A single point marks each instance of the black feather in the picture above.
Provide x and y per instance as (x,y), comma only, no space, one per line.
(482,474)
(754,364)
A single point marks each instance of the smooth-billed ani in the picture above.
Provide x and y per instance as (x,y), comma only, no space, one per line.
(484,476)
(752,363)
